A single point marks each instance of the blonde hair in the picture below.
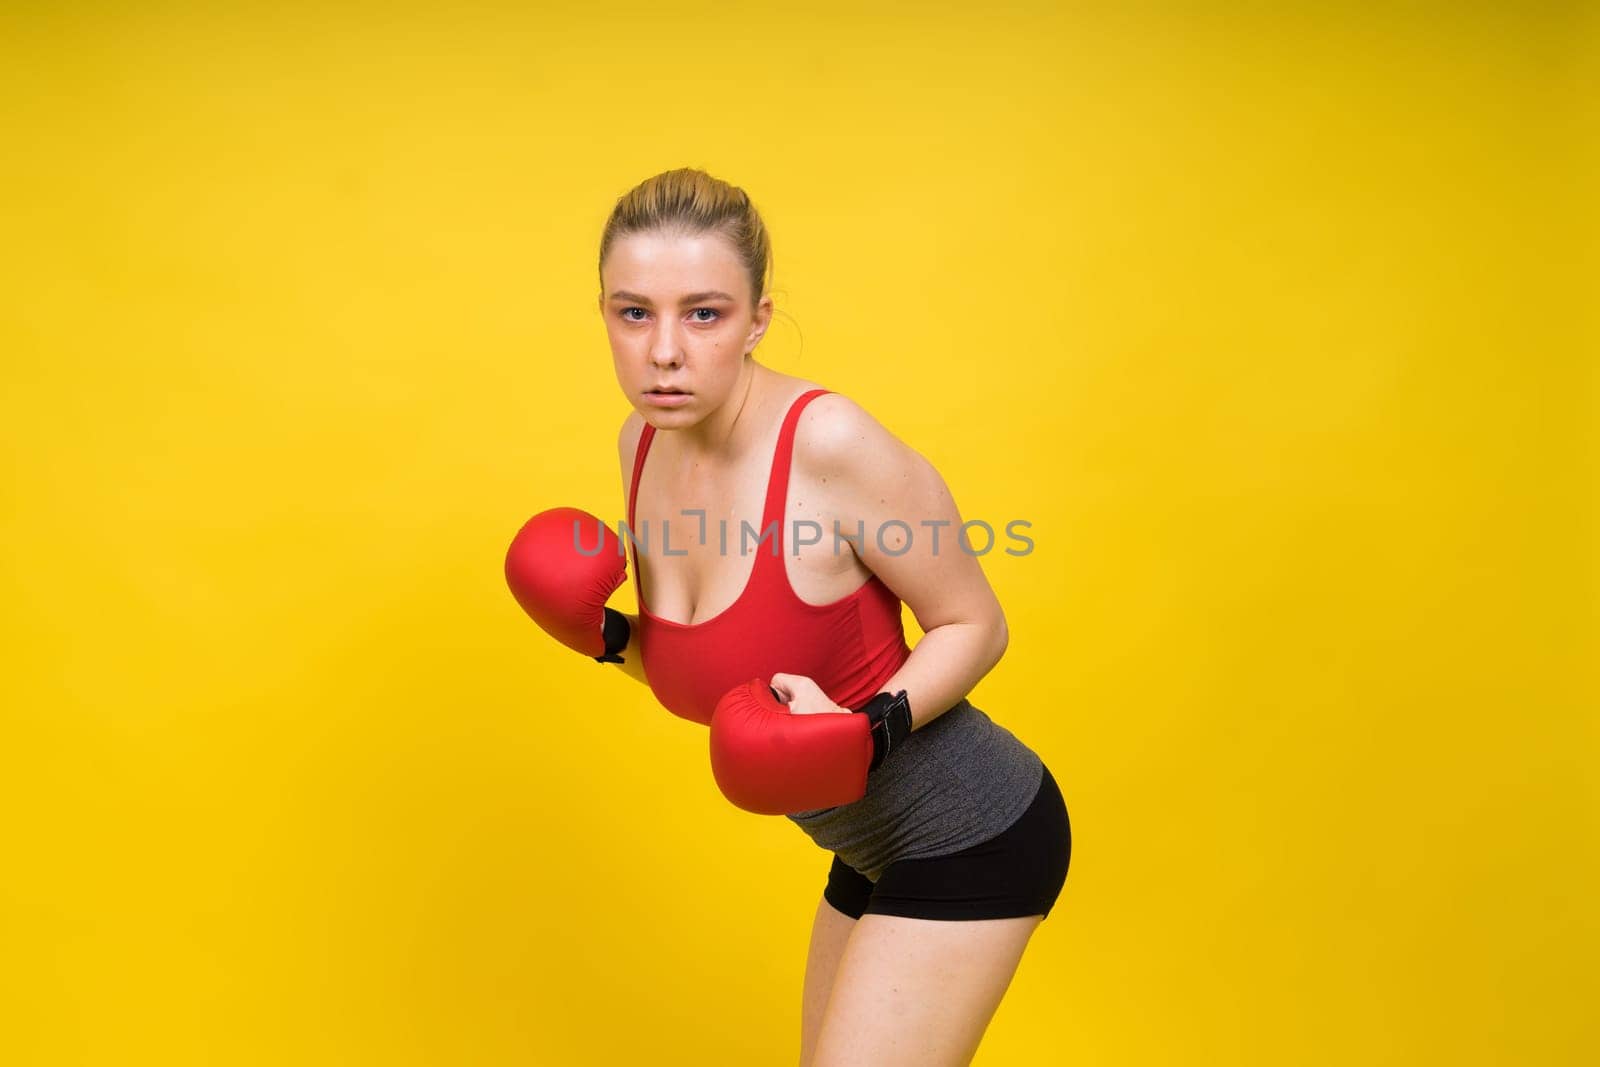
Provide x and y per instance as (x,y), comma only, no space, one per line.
(692,202)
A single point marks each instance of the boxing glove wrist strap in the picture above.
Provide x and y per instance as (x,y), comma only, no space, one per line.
(889,719)
(616,632)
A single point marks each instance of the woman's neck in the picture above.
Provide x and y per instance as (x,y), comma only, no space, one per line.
(731,430)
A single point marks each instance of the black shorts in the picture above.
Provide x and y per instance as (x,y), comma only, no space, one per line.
(1019,871)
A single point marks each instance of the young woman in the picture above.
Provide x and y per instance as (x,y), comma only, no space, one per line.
(958,844)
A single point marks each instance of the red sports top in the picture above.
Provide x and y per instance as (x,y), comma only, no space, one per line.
(849,647)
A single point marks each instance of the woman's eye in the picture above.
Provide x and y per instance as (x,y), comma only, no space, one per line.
(628,316)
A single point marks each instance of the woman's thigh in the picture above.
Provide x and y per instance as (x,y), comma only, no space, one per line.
(830,930)
(918,991)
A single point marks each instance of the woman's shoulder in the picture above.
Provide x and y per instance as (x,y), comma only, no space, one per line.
(628,444)
(834,431)
(632,428)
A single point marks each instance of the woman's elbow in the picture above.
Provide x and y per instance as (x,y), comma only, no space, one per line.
(1000,637)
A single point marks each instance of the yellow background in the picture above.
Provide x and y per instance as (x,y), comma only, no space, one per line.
(1266,317)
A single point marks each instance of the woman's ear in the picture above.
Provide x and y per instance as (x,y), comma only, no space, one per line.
(762,319)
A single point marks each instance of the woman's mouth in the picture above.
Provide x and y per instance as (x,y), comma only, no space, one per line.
(667,398)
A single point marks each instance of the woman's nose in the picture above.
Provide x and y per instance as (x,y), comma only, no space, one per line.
(665,351)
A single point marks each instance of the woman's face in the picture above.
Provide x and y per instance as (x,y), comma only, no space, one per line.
(678,316)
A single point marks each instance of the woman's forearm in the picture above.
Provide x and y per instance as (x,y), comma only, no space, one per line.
(946,664)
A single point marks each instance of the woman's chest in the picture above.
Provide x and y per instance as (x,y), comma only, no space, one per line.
(699,533)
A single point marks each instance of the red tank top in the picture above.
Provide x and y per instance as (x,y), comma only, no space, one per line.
(849,647)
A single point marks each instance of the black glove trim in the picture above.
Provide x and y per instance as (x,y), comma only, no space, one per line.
(889,719)
(616,632)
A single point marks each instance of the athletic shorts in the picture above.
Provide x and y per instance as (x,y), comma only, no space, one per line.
(1019,871)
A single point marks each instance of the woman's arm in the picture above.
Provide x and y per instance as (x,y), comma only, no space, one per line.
(627,444)
(876,480)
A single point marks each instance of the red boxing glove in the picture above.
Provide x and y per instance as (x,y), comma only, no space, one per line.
(563,584)
(770,762)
